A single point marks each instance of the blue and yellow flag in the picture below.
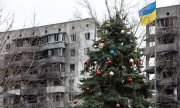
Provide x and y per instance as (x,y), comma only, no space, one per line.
(148,14)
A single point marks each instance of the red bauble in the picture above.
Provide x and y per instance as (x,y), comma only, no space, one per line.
(87,88)
(109,61)
(130,80)
(118,106)
(103,41)
(140,62)
(98,72)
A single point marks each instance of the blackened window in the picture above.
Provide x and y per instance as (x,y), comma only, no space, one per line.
(86,50)
(73,27)
(7,46)
(87,36)
(72,52)
(56,37)
(72,67)
(73,38)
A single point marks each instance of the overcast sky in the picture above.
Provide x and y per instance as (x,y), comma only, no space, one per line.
(56,11)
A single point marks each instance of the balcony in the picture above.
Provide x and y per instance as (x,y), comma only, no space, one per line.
(17,50)
(166,98)
(166,48)
(25,77)
(29,77)
(149,51)
(13,92)
(52,74)
(32,91)
(23,63)
(51,104)
(53,59)
(68,74)
(53,45)
(166,81)
(32,105)
(14,78)
(165,63)
(53,89)
(166,31)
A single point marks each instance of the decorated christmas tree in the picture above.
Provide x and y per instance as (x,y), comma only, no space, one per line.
(115,70)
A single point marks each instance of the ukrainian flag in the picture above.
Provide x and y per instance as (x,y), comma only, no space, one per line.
(148,13)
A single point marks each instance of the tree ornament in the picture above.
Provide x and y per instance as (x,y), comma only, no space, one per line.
(111,73)
(81,79)
(122,31)
(130,80)
(87,88)
(95,46)
(95,62)
(131,61)
(109,61)
(128,33)
(103,41)
(144,80)
(140,62)
(101,45)
(135,50)
(75,101)
(111,51)
(118,106)
(98,72)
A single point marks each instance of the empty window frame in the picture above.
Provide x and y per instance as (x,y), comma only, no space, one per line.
(18,57)
(64,37)
(32,99)
(71,81)
(71,97)
(44,40)
(62,66)
(50,39)
(19,43)
(73,38)
(58,82)
(87,36)
(72,52)
(166,22)
(58,96)
(72,67)
(56,52)
(56,37)
(17,99)
(86,50)
(7,46)
(73,27)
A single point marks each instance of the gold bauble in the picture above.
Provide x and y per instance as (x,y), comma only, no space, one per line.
(135,50)
(111,73)
(131,61)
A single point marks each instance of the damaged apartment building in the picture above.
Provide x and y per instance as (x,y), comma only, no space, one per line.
(41,65)
(163,47)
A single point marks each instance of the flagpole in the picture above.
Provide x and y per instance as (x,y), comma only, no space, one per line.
(155,70)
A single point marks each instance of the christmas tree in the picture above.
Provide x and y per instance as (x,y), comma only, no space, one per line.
(115,70)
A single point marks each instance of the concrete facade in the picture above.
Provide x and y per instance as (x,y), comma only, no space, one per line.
(164,46)
(41,65)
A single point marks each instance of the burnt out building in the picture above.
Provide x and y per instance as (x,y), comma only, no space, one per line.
(163,47)
(40,66)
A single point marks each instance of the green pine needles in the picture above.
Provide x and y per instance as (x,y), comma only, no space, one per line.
(115,79)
